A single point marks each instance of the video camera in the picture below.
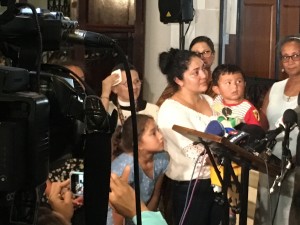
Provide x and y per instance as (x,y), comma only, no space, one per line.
(41,111)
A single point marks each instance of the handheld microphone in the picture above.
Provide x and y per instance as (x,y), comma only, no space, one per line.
(216,128)
(90,39)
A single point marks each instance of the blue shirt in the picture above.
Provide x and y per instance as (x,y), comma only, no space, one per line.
(147,184)
(151,218)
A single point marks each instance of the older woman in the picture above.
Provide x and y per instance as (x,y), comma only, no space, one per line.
(275,208)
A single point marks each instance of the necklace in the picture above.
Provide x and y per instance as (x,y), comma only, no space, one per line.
(120,112)
(186,103)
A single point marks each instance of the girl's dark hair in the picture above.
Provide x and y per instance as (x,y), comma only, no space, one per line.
(225,69)
(205,39)
(287,39)
(126,137)
(174,63)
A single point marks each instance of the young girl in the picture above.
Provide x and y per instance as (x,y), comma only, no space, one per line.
(152,159)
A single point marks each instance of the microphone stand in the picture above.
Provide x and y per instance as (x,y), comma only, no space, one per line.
(286,163)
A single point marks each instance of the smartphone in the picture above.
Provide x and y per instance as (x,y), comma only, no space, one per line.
(77,181)
(119,80)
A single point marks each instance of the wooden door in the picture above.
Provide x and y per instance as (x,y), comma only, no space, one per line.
(129,36)
(254,46)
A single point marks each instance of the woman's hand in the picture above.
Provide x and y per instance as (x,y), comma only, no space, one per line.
(61,200)
(108,83)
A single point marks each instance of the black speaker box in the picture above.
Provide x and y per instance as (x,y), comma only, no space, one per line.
(176,11)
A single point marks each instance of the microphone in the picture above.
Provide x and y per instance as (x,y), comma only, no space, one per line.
(289,119)
(272,134)
(255,140)
(216,128)
(297,111)
(90,39)
(238,137)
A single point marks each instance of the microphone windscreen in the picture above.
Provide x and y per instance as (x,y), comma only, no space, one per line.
(255,132)
(238,137)
(289,117)
(216,128)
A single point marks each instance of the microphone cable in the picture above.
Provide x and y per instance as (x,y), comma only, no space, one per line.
(189,199)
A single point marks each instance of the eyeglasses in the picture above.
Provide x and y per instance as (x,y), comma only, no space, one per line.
(204,54)
(137,83)
(286,58)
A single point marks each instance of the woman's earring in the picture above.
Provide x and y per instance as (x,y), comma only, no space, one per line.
(282,70)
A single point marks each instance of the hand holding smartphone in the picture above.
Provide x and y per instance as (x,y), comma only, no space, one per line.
(77,181)
(119,80)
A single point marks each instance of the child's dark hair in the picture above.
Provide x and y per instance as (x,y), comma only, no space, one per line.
(174,63)
(205,39)
(126,138)
(225,69)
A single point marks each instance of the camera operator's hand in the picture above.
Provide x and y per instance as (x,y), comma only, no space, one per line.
(60,199)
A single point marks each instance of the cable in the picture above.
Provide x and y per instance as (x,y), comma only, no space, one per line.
(188,200)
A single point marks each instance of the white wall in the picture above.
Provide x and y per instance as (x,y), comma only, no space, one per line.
(160,37)
(39,3)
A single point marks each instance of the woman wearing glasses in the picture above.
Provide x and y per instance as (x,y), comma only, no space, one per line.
(120,95)
(205,48)
(278,207)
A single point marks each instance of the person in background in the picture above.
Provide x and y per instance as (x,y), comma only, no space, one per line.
(122,199)
(278,208)
(188,171)
(234,112)
(204,46)
(61,201)
(116,97)
(120,95)
(47,216)
(229,84)
(152,159)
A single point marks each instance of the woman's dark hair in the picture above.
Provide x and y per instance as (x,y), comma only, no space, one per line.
(122,68)
(174,63)
(205,39)
(225,69)
(126,137)
(287,39)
